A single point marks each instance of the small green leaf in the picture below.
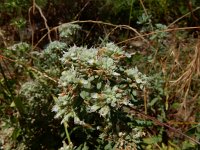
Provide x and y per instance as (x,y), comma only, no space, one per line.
(104,111)
(108,146)
(16,133)
(131,72)
(91,61)
(85,147)
(12,104)
(153,101)
(19,105)
(138,80)
(134,92)
(118,95)
(152,140)
(94,95)
(99,85)
(116,74)
(87,86)
(84,82)
(91,78)
(84,94)
(93,108)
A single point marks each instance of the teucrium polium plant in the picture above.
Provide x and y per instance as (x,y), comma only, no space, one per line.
(67,32)
(96,84)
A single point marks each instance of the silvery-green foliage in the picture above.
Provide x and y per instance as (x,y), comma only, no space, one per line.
(55,47)
(161,34)
(38,119)
(20,47)
(20,50)
(53,52)
(36,95)
(97,84)
(49,58)
(145,21)
(67,32)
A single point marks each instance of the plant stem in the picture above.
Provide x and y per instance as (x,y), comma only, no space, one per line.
(130,13)
(130,16)
(14,99)
(67,133)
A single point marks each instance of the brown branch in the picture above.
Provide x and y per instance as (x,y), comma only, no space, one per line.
(171,24)
(32,8)
(156,32)
(82,9)
(45,22)
(156,121)
(97,22)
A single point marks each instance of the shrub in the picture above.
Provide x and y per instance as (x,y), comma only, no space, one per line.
(97,84)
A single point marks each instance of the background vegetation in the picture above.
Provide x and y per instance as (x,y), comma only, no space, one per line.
(99,74)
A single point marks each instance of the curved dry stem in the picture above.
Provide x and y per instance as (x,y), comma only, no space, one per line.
(33,7)
(156,32)
(145,11)
(45,22)
(127,27)
(177,20)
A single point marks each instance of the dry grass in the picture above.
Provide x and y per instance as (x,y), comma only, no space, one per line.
(183,83)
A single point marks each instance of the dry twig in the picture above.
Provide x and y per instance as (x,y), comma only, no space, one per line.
(32,8)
